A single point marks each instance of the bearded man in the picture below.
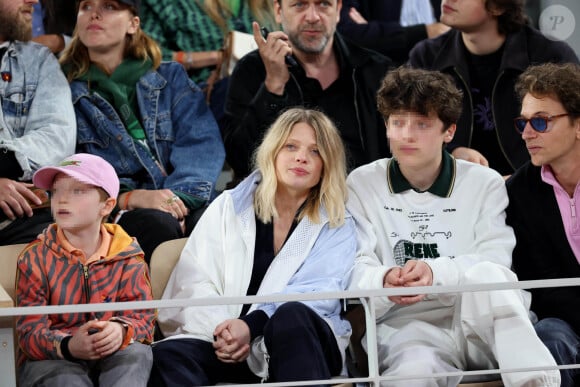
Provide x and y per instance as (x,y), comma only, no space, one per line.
(327,73)
(37,122)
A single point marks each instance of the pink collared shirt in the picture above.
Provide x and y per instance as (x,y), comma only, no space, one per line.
(569,209)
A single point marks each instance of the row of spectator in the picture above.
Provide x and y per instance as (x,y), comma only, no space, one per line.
(480,52)
(151,122)
(285,229)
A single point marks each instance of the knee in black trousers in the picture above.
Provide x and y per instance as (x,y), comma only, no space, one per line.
(25,229)
(301,345)
(192,362)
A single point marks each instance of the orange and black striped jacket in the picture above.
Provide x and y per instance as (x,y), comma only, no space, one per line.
(47,274)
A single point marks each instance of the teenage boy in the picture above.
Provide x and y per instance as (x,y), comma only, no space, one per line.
(427,219)
(488,46)
(80,260)
(544,205)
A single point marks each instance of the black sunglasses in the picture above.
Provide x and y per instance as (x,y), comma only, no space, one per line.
(538,123)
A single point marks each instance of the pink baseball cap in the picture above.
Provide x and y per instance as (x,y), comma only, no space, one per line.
(86,168)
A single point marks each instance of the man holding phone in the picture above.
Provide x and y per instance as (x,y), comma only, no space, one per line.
(331,74)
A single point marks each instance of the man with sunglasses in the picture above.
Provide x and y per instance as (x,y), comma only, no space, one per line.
(544,205)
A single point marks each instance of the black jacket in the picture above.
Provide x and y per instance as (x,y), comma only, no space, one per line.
(251,109)
(528,46)
(383,32)
(542,249)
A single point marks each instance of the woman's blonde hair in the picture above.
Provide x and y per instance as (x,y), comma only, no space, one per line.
(219,11)
(330,191)
(76,59)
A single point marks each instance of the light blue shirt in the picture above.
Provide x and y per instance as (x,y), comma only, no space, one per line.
(415,12)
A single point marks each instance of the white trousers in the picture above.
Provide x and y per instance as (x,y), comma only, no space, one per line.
(489,329)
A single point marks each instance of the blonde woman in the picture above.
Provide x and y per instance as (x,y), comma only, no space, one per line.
(146,118)
(281,230)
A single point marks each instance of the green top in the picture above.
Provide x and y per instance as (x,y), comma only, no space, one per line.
(119,89)
(234,6)
(183,25)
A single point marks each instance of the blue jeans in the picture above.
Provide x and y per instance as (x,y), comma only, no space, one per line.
(564,344)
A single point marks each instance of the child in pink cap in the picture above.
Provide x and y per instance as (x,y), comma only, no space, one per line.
(79,260)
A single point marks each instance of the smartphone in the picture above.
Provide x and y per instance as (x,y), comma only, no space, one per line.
(290,61)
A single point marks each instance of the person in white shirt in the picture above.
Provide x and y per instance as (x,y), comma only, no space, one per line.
(426,219)
(282,230)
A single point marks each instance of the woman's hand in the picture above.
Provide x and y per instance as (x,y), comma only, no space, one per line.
(163,199)
(356,17)
(232,341)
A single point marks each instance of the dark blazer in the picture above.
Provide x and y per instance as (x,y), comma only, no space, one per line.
(542,249)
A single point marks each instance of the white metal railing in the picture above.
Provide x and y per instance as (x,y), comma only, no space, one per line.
(366,298)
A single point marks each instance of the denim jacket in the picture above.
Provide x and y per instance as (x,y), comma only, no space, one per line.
(37,120)
(180,129)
